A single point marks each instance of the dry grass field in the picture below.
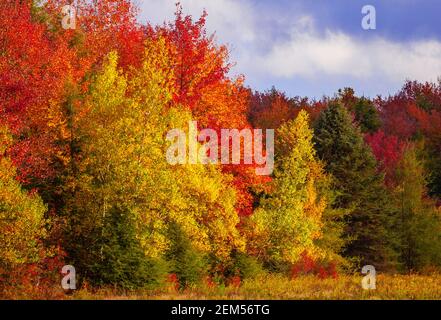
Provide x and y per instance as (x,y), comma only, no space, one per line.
(389,287)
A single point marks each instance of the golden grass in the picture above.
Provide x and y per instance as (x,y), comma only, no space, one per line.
(389,287)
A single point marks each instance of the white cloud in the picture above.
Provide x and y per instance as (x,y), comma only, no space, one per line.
(303,52)
(232,20)
(310,54)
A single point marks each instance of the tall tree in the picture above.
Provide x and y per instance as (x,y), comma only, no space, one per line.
(420,221)
(290,218)
(198,62)
(201,84)
(365,113)
(360,187)
(123,170)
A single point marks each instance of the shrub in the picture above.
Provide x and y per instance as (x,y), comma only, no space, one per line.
(247,266)
(189,265)
(307,265)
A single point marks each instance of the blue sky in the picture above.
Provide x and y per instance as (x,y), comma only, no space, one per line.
(314,47)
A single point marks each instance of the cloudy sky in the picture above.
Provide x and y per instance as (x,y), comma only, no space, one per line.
(312,48)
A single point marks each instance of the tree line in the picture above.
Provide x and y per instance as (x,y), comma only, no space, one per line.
(84,178)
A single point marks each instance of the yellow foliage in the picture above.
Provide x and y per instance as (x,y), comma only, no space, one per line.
(124,164)
(289,219)
(21,216)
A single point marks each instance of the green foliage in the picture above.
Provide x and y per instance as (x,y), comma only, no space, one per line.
(333,241)
(189,265)
(420,221)
(22,222)
(289,219)
(366,115)
(247,266)
(433,166)
(122,169)
(359,187)
(120,259)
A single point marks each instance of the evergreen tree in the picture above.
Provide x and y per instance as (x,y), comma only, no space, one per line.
(120,259)
(360,188)
(189,264)
(420,227)
(365,113)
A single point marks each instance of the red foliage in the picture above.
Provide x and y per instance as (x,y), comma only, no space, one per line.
(199,62)
(33,71)
(397,119)
(387,150)
(104,26)
(43,73)
(415,108)
(234,281)
(270,109)
(203,86)
(173,281)
(40,280)
(308,265)
(429,123)
(209,282)
(426,95)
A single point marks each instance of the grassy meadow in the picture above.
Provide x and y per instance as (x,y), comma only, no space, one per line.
(273,287)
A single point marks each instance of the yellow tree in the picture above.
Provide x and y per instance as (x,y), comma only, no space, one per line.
(289,220)
(196,196)
(124,174)
(22,222)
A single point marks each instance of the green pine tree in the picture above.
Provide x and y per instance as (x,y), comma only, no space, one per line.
(359,187)
(365,113)
(420,227)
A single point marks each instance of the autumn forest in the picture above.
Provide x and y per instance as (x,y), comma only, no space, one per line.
(84,179)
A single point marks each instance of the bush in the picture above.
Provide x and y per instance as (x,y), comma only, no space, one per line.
(307,265)
(120,260)
(189,265)
(247,267)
